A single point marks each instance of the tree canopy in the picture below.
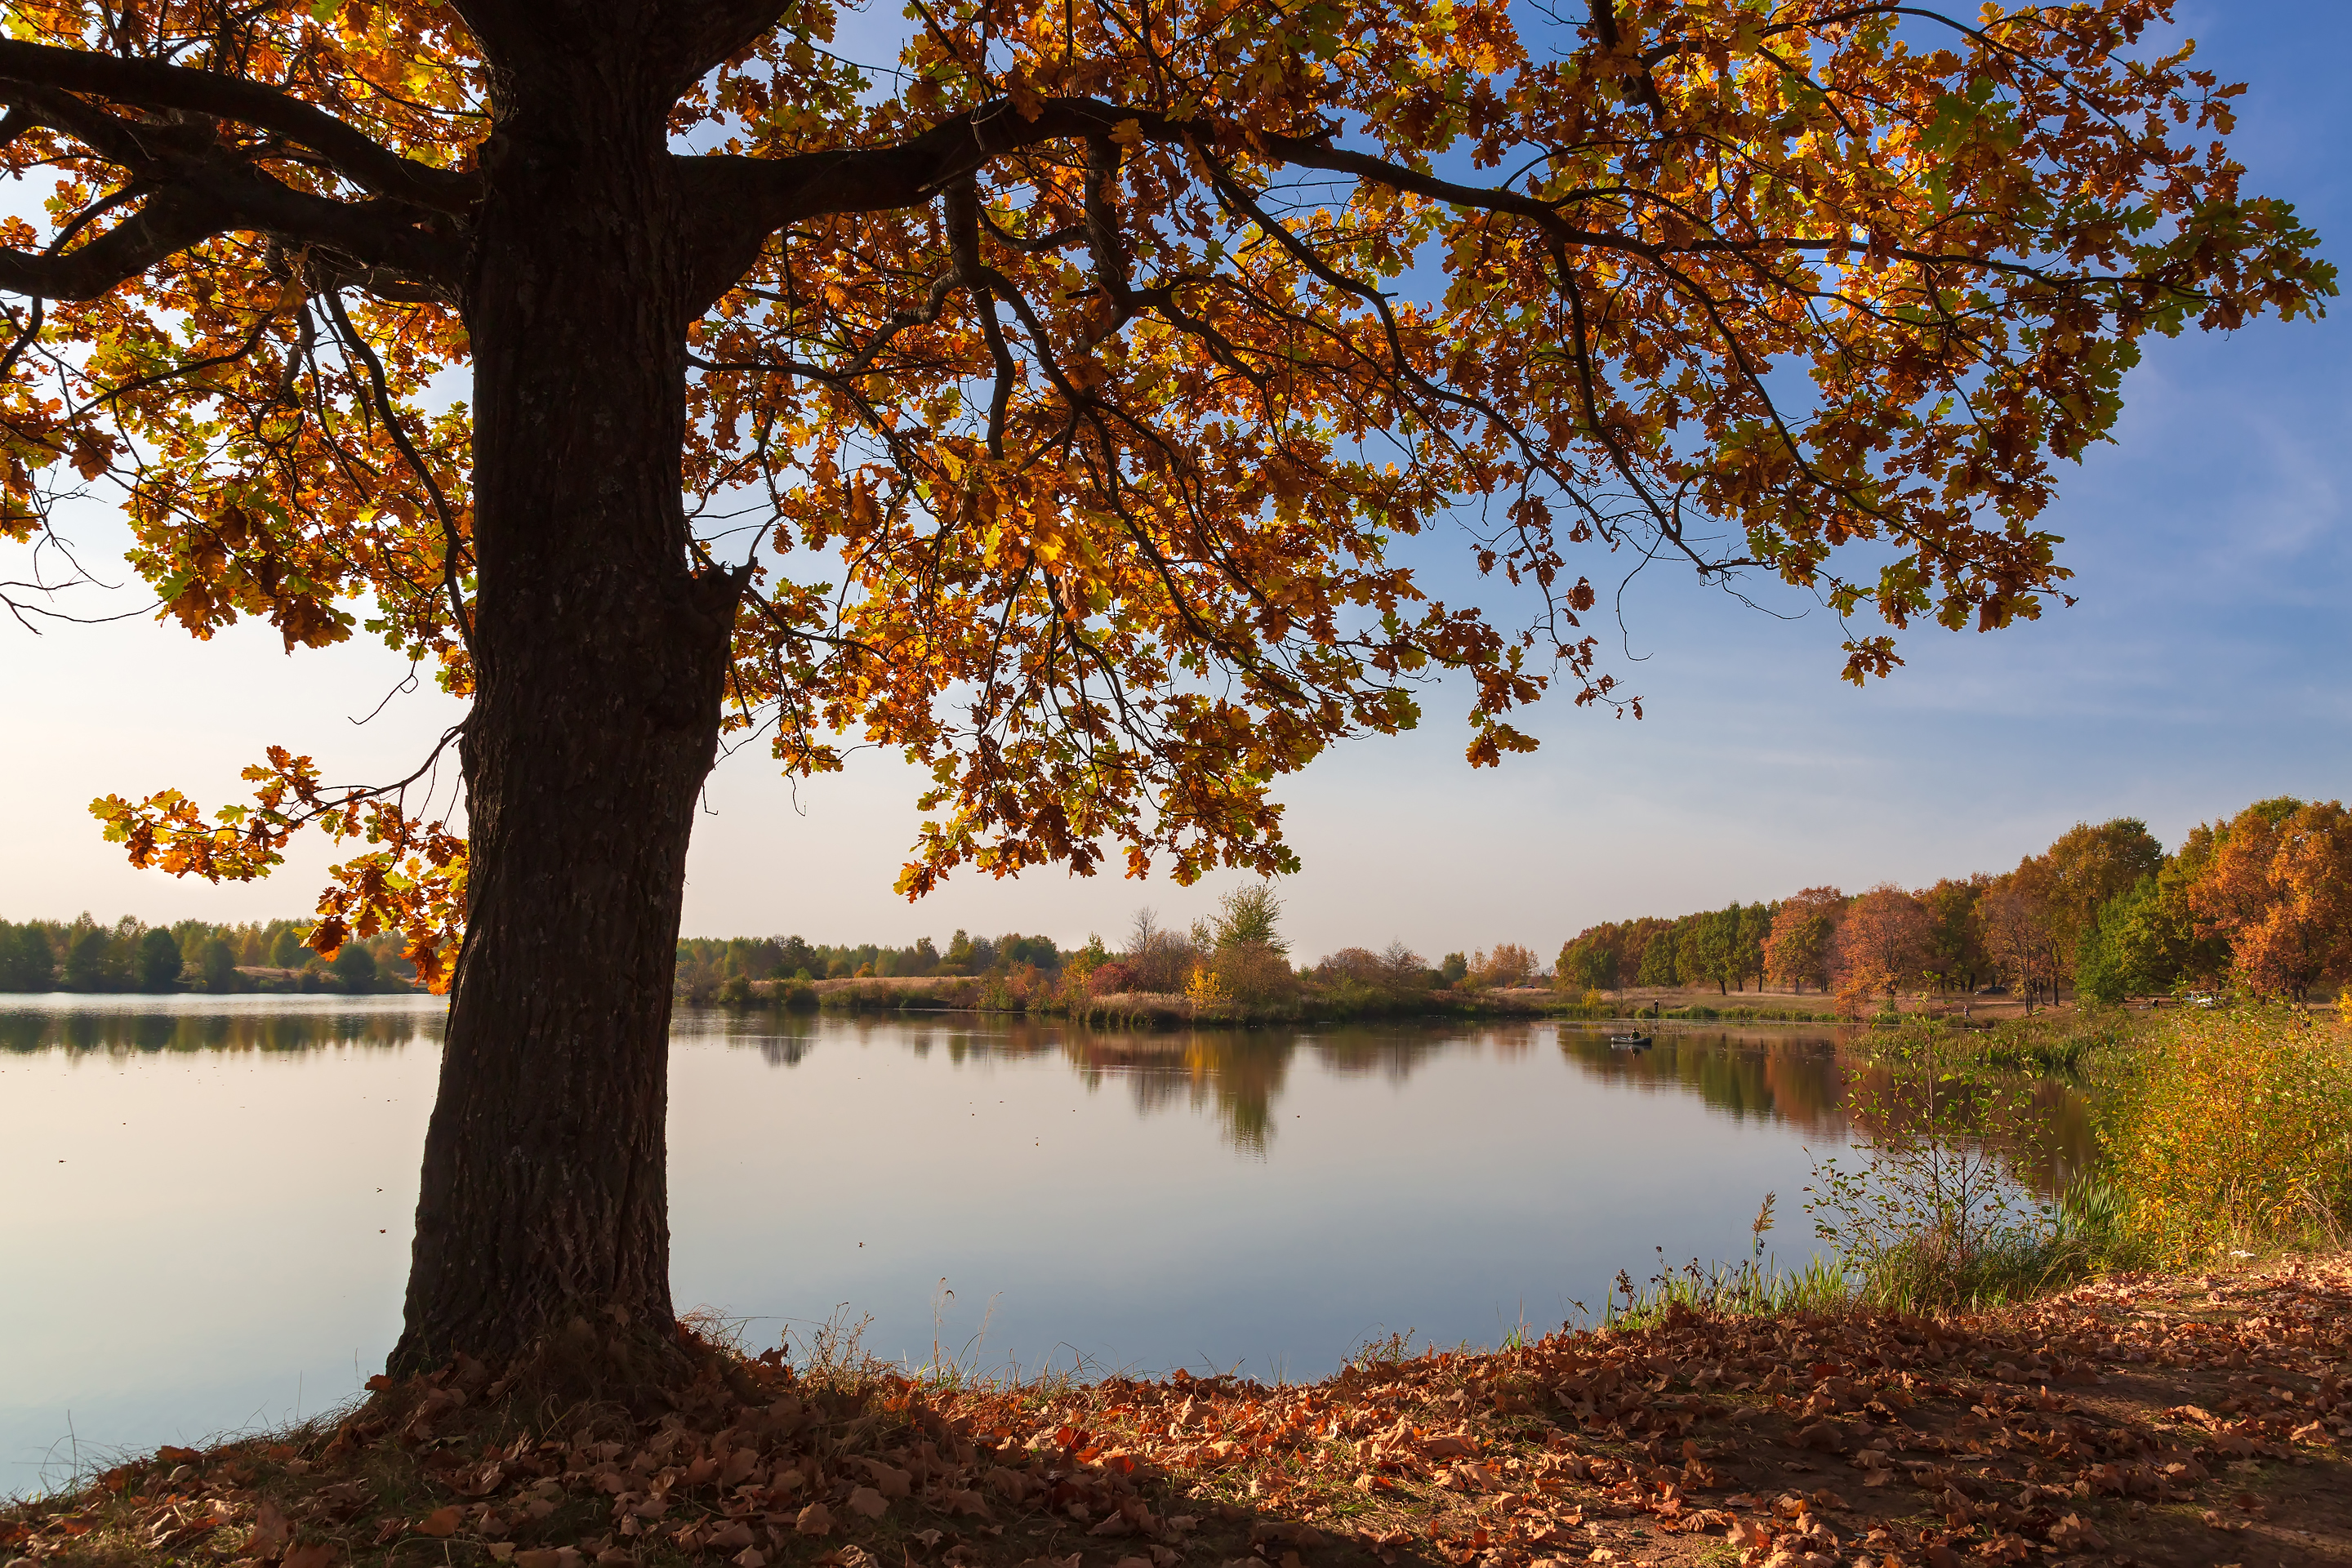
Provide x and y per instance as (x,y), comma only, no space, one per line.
(1098,355)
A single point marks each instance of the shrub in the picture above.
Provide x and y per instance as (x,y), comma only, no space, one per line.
(1253,974)
(2235,1130)
(1111,978)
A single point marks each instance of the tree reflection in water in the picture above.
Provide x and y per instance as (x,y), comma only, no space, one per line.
(1803,1079)
(157,1029)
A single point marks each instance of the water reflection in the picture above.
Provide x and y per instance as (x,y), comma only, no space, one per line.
(1804,1080)
(128,1025)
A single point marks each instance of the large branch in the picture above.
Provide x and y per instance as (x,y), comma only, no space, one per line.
(226,199)
(150,84)
(746,199)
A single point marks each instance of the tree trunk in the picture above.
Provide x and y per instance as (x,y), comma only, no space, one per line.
(601,658)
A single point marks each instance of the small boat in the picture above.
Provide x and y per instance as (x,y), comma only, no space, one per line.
(1629,1042)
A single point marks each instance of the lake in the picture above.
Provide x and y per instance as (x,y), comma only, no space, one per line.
(209,1199)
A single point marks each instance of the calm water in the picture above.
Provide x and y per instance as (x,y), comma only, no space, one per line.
(206,1209)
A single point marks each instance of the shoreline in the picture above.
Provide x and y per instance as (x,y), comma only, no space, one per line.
(2164,1419)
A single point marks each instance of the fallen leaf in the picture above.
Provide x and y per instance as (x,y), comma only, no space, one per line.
(271,1534)
(749,1557)
(538,1557)
(889,1479)
(316,1554)
(441,1523)
(814,1519)
(2074,1533)
(868,1501)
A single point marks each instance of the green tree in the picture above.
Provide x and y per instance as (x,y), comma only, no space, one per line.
(1755,931)
(1658,958)
(90,961)
(159,961)
(1453,969)
(1588,961)
(33,964)
(217,963)
(286,950)
(1955,953)
(2089,866)
(355,965)
(2137,944)
(1250,915)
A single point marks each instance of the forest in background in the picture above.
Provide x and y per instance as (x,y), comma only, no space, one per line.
(2260,901)
(83,954)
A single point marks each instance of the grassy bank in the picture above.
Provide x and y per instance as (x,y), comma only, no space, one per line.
(2223,1134)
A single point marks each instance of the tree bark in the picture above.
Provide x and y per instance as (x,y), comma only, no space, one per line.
(601,658)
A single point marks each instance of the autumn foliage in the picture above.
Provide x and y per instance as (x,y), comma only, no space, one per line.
(1092,410)
(2262,901)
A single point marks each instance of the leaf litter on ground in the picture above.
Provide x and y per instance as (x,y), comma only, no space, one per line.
(2151,1419)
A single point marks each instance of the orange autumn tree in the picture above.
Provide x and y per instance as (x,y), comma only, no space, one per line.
(2278,888)
(1050,408)
(1880,942)
(1799,944)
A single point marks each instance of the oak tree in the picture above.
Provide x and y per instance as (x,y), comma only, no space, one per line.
(1799,947)
(1049,407)
(1880,942)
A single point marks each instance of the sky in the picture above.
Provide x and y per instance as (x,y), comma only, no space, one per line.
(2206,665)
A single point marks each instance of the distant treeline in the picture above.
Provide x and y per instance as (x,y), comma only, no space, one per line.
(1236,963)
(706,963)
(2262,901)
(82,955)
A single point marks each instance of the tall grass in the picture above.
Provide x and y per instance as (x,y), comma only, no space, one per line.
(2232,1130)
(1761,1288)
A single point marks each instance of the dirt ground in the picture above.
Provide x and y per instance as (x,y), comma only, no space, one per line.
(2151,1420)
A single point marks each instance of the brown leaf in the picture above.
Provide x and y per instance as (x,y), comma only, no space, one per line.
(892,1481)
(271,1534)
(814,1519)
(441,1523)
(749,1557)
(316,1554)
(538,1557)
(868,1501)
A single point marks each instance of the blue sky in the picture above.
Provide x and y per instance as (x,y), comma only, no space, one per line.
(2208,664)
